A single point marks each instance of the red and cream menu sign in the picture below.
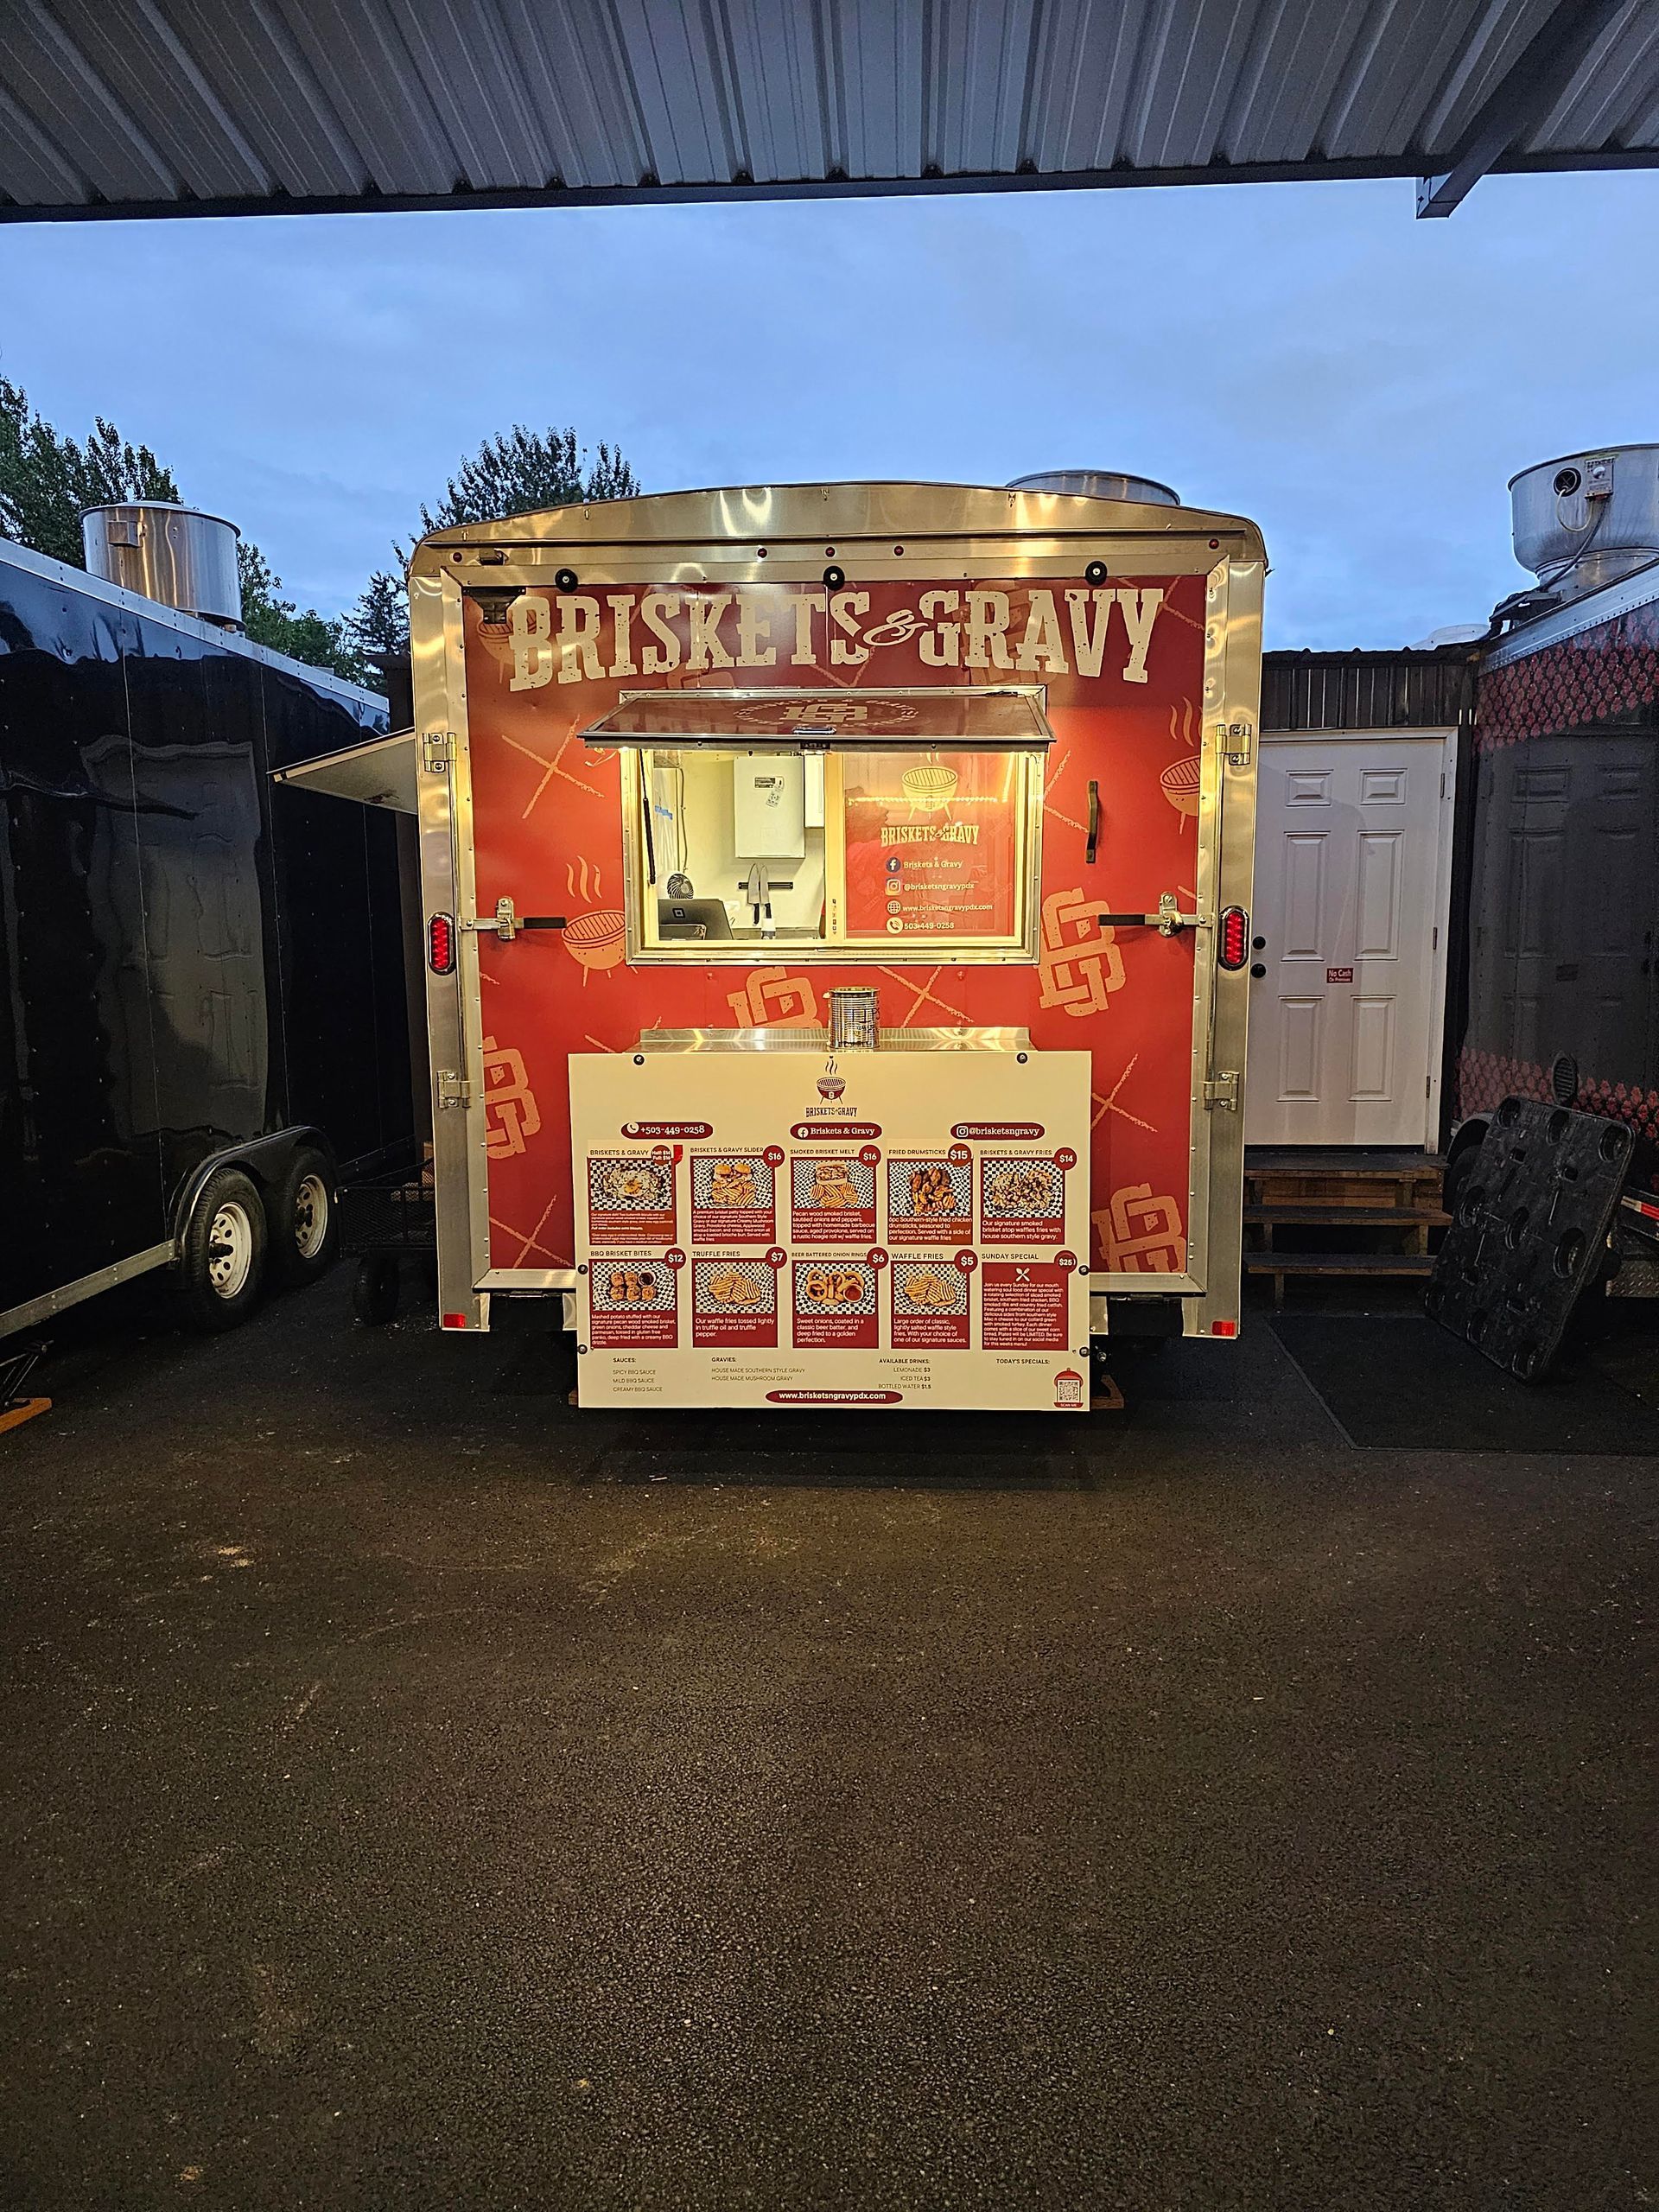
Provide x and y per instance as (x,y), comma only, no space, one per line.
(932,840)
(894,1228)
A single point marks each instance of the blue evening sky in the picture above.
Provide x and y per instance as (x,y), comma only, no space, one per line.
(1360,383)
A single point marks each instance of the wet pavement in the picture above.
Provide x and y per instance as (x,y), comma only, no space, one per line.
(420,1794)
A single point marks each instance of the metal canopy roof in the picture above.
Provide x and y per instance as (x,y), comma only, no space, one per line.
(213,107)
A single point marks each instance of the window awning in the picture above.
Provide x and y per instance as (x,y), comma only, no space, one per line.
(379,774)
(981,719)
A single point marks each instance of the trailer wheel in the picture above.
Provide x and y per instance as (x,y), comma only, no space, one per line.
(377,1289)
(221,1263)
(303,1234)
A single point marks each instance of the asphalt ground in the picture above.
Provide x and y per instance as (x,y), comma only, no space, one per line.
(417,1793)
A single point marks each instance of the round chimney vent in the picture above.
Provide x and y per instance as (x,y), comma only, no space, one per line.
(173,554)
(1099,484)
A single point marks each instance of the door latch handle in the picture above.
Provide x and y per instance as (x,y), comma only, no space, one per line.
(1093,845)
(506,925)
(1167,921)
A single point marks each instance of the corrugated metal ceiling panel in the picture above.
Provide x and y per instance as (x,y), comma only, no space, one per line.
(111,106)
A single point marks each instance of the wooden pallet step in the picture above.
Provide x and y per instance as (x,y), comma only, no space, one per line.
(1339,1263)
(1340,1159)
(1402,1193)
(1330,1217)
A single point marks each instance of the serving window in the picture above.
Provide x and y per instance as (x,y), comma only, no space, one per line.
(832,835)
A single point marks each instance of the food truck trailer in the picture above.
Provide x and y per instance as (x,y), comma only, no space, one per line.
(836,918)
(1562,993)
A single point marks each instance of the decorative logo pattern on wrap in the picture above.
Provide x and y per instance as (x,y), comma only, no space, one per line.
(1141,1235)
(1603,673)
(774,999)
(509,1102)
(1080,965)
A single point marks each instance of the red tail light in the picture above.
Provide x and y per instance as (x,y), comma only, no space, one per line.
(440,945)
(1233,945)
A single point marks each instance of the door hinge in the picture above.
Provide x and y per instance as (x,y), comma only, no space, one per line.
(454,1090)
(1234,739)
(437,750)
(1223,1090)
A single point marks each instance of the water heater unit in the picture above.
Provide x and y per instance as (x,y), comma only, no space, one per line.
(769,806)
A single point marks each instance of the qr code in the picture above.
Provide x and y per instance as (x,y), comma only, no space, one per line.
(632,1285)
(927,1190)
(919,1287)
(629,1186)
(735,1286)
(834,1287)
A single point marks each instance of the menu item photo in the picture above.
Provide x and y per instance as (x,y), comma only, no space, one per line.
(734,1302)
(930,1306)
(630,1200)
(1022,1201)
(835,1303)
(732,1198)
(930,1201)
(835,1201)
(632,1301)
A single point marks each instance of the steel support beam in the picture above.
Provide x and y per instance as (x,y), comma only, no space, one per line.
(1520,100)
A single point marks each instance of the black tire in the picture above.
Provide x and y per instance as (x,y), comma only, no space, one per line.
(304,1235)
(377,1289)
(220,1270)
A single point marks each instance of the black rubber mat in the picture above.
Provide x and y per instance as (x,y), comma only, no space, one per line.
(1401,1383)
(1530,1235)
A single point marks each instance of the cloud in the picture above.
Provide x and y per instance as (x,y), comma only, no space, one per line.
(1359,383)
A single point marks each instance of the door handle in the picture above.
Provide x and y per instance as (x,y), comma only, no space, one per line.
(1093,845)
(1167,921)
(506,925)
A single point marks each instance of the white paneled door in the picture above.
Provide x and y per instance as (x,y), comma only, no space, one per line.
(1345,1003)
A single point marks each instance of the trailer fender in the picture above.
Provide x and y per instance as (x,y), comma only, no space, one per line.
(266,1159)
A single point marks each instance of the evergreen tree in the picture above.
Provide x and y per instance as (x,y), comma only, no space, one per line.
(271,619)
(523,470)
(379,622)
(514,474)
(46,479)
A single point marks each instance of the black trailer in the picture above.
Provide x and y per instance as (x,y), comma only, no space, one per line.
(203,1019)
(1562,1001)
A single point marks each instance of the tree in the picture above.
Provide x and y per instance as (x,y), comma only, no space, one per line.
(271,619)
(526,470)
(46,479)
(512,474)
(379,622)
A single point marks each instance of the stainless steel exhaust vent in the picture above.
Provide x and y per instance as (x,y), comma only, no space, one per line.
(1099,484)
(184,559)
(1587,519)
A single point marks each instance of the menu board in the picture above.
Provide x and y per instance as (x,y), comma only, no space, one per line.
(901,1229)
(931,843)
